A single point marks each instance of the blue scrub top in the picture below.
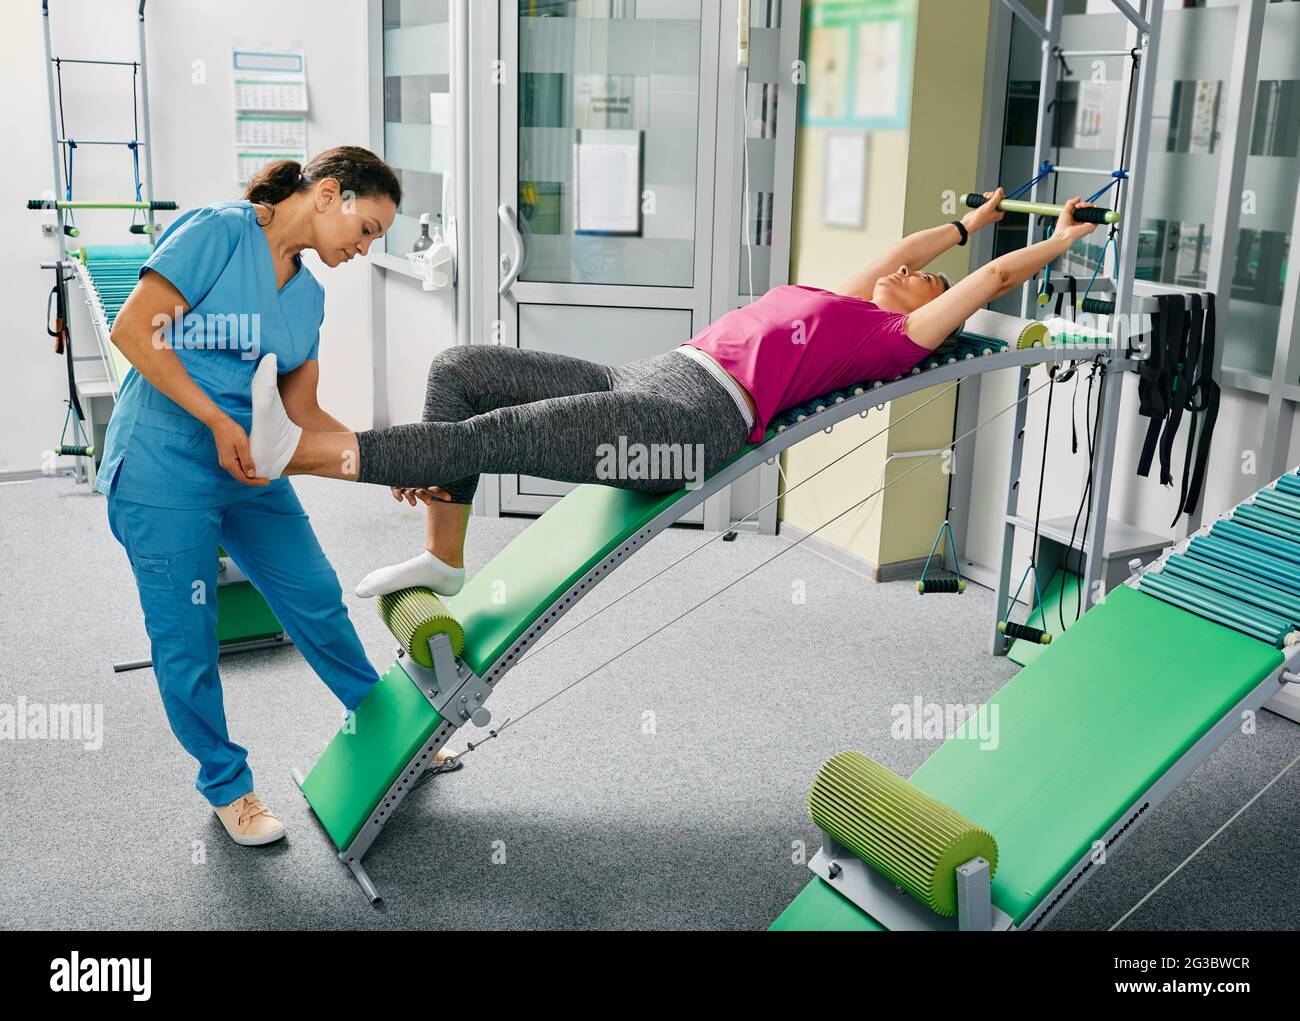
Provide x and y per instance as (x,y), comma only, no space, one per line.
(218,257)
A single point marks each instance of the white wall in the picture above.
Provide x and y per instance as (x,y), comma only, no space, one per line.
(420,324)
(193,164)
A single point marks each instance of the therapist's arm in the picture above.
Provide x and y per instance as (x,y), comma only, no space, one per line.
(138,333)
(299,394)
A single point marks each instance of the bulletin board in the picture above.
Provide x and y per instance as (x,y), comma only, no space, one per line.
(859,64)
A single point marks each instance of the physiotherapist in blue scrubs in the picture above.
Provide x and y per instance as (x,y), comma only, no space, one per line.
(224,288)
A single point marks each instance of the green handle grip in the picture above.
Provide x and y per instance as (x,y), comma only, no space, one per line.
(158,204)
(1094,214)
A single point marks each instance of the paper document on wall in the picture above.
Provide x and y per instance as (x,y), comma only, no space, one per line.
(270,80)
(880,62)
(844,186)
(270,101)
(607,175)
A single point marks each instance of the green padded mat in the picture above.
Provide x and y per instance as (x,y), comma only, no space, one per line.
(357,768)
(1083,733)
(503,600)
(243,615)
(532,571)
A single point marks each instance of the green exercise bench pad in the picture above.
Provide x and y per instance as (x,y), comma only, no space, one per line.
(495,607)
(1082,733)
(243,615)
(355,771)
(519,584)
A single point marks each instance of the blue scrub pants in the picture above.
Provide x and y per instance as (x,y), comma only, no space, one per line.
(174,556)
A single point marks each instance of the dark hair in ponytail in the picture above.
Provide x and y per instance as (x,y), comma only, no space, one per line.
(357,170)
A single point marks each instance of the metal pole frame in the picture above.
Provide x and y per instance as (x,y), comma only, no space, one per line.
(54,129)
(148,141)
(1050,35)
(1111,395)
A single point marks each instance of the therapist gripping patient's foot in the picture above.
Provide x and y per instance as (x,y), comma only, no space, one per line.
(272,443)
(273,438)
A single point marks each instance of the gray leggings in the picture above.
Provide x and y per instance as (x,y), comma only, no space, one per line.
(655,424)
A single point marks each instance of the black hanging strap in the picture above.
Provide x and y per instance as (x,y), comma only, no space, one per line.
(1184,373)
(57,327)
(1203,400)
(1156,376)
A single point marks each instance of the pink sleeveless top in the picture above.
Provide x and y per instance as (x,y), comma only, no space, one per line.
(796,342)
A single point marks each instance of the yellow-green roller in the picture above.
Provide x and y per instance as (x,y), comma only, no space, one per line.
(897,828)
(414,615)
(1016,332)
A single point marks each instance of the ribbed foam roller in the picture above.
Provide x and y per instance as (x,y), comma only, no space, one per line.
(414,615)
(1015,331)
(897,829)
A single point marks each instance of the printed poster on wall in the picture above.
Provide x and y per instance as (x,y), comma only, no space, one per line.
(859,57)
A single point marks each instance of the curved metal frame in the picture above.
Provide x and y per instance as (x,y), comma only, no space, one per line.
(877,396)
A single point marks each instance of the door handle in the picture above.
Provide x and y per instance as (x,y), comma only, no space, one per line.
(510,267)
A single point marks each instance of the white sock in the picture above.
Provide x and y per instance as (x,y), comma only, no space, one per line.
(423,571)
(273,438)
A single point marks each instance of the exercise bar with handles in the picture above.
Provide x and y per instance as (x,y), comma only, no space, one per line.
(45,10)
(1093,214)
(85,204)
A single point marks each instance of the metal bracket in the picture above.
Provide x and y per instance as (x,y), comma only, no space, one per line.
(974,897)
(895,908)
(458,695)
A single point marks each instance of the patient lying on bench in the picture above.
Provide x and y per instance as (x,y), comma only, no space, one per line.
(655,424)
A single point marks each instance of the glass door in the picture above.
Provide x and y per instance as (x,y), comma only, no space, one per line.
(607,155)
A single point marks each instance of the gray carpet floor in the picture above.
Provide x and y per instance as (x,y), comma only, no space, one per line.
(666,791)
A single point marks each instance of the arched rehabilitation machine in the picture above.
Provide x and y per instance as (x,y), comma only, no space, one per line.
(1090,738)
(455,651)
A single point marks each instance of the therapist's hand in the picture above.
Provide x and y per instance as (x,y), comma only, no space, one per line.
(233,452)
(425,496)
